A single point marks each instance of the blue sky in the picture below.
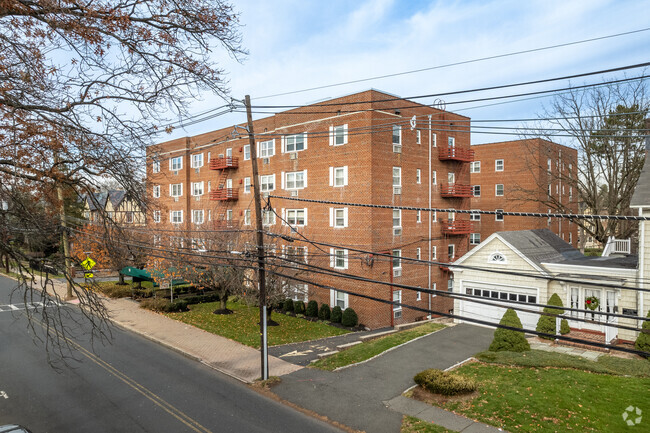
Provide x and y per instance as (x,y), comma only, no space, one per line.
(297,44)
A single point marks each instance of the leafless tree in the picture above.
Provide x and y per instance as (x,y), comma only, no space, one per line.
(84,87)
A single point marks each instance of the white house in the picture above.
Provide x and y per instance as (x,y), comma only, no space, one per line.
(531,254)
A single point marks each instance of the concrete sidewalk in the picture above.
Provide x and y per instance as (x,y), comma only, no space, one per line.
(227,356)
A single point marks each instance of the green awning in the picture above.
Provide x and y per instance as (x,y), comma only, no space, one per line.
(144,275)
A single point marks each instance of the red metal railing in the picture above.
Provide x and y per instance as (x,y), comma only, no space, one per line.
(455,190)
(224,194)
(456,154)
(224,162)
(458,227)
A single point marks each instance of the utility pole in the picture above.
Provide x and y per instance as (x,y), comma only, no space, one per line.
(260,243)
(64,237)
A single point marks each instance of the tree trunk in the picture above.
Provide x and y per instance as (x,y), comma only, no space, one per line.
(122,282)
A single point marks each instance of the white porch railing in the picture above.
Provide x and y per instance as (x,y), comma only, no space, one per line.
(617,246)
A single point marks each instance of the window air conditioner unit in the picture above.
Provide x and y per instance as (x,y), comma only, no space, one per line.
(397,190)
(266,160)
(265,194)
(175,172)
(397,272)
(397,231)
(175,198)
(293,155)
(397,148)
(197,170)
(197,198)
(397,314)
(294,193)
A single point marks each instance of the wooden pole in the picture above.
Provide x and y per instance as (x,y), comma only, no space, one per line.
(260,242)
(64,238)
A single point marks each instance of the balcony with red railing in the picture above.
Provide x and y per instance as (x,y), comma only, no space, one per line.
(455,154)
(224,194)
(224,162)
(456,190)
(456,227)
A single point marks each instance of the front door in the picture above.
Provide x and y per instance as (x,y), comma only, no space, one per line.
(611,332)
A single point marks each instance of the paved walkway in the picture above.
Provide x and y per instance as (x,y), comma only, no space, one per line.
(227,356)
(575,351)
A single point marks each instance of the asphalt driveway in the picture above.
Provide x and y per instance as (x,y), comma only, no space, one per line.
(354,396)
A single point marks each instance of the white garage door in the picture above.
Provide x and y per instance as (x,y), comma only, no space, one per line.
(501,296)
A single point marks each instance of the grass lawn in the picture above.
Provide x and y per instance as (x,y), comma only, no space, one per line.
(242,325)
(368,349)
(538,391)
(415,425)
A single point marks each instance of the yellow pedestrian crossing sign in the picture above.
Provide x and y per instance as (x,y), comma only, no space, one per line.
(88,264)
(88,275)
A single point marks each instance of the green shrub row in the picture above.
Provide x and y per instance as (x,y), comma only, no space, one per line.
(347,318)
(163,305)
(200,299)
(445,383)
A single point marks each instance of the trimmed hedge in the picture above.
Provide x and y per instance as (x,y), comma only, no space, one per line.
(312,309)
(349,318)
(299,307)
(200,299)
(337,314)
(324,312)
(163,305)
(507,339)
(643,340)
(547,323)
(445,383)
(288,305)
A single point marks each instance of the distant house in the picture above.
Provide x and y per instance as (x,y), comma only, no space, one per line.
(542,264)
(116,205)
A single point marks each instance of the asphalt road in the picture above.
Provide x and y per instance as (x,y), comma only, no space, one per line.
(131,385)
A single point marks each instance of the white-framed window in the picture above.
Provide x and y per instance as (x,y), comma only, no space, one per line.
(475,167)
(156,216)
(267,183)
(339,217)
(176,163)
(418,136)
(433,178)
(497,257)
(176,216)
(418,175)
(338,135)
(197,160)
(266,149)
(209,186)
(295,180)
(434,252)
(247,185)
(176,189)
(397,135)
(295,143)
(156,166)
(247,217)
(475,216)
(339,299)
(451,251)
(474,238)
(156,191)
(397,299)
(418,253)
(451,141)
(434,216)
(498,189)
(247,152)
(339,176)
(338,258)
(549,164)
(418,295)
(197,188)
(498,165)
(434,140)
(570,237)
(476,190)
(295,253)
(297,292)
(397,176)
(397,218)
(397,260)
(418,217)
(268,218)
(229,214)
(197,216)
(296,217)
(499,215)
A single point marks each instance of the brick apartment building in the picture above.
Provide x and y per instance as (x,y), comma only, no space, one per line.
(359,148)
(528,175)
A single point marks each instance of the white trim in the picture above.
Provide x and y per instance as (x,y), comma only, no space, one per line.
(591,270)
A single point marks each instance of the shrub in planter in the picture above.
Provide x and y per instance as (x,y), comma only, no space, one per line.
(444,382)
(324,312)
(349,318)
(337,314)
(547,323)
(299,307)
(288,305)
(507,339)
(643,340)
(312,309)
